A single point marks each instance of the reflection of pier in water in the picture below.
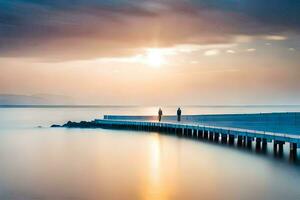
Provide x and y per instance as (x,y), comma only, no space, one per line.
(245,129)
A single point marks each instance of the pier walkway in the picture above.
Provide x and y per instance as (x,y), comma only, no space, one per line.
(276,128)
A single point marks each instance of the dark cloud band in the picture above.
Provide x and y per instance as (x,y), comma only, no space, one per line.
(42,28)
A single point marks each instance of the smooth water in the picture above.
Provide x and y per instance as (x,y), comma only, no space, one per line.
(45,163)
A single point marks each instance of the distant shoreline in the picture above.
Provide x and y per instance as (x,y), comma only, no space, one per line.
(63,106)
(101,106)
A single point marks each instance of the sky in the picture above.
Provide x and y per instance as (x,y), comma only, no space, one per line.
(152,52)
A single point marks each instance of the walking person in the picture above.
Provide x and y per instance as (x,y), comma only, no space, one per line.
(160,113)
(178,114)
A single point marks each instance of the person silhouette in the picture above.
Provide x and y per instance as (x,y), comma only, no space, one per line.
(178,114)
(160,113)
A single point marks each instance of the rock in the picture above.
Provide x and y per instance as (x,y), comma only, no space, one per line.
(82,124)
(55,126)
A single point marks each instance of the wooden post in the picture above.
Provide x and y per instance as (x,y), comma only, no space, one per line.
(211,135)
(231,139)
(205,135)
(280,144)
(249,142)
(264,145)
(224,138)
(216,137)
(293,151)
(239,140)
(258,144)
(200,134)
(275,147)
(195,133)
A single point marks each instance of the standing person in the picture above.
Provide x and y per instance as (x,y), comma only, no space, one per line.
(160,113)
(178,114)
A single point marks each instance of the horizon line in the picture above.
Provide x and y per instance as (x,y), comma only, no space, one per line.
(117,105)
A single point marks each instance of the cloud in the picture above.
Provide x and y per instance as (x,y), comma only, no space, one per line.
(69,30)
(194,62)
(212,52)
(230,51)
(275,37)
(251,50)
(244,38)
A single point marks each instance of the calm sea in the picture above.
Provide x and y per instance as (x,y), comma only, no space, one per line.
(54,164)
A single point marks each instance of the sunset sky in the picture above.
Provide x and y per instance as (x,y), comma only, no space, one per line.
(152,52)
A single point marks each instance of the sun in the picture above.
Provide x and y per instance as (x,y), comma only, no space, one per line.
(155,58)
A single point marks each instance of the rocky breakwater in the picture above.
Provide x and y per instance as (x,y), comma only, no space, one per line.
(82,124)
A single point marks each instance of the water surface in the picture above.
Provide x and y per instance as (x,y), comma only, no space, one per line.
(45,163)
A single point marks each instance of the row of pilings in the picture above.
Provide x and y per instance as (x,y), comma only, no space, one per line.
(241,141)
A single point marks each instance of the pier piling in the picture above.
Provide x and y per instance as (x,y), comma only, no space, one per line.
(205,135)
(200,134)
(231,139)
(258,144)
(239,141)
(216,137)
(224,138)
(211,136)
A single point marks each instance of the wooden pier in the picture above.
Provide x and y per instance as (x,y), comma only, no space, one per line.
(225,135)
